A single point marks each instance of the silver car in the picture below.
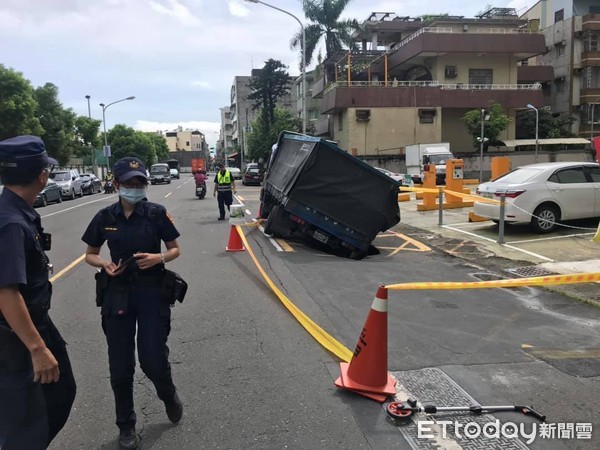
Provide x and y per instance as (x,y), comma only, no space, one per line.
(69,181)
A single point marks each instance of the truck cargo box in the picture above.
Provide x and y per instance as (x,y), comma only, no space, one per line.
(315,190)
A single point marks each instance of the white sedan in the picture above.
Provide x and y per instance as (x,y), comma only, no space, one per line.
(544,194)
(403,178)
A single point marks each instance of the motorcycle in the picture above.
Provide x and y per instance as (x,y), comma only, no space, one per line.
(109,188)
(201,190)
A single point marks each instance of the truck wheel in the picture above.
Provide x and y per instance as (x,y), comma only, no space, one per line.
(358,255)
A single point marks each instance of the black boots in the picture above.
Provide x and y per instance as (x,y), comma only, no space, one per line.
(174,409)
(128,439)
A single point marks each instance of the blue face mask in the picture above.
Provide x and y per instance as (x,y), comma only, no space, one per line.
(132,195)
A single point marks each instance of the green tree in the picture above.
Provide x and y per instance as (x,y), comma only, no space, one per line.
(324,16)
(58,123)
(549,126)
(261,139)
(271,83)
(87,137)
(496,124)
(125,141)
(160,146)
(17,106)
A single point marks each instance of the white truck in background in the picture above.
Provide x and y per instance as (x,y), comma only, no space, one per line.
(417,155)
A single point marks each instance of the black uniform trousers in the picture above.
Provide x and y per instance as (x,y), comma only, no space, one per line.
(151,314)
(225,198)
(32,414)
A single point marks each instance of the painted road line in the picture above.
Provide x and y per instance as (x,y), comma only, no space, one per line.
(240,197)
(590,353)
(527,252)
(271,240)
(179,187)
(78,206)
(248,212)
(550,238)
(285,246)
(66,269)
(168,194)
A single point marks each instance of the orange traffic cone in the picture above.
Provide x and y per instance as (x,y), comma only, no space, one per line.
(235,243)
(367,372)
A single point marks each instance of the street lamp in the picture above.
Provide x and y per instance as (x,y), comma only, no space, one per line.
(92,147)
(537,127)
(485,116)
(104,108)
(304,87)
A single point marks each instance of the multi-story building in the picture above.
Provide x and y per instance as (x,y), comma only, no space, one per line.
(225,143)
(313,104)
(242,115)
(413,80)
(185,140)
(572,33)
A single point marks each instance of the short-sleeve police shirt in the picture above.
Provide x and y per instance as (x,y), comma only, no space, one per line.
(142,232)
(23,262)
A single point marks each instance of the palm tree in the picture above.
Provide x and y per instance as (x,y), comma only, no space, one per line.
(324,15)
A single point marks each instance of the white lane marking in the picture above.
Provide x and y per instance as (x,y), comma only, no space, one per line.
(527,252)
(77,206)
(168,194)
(271,240)
(179,187)
(550,238)
(248,212)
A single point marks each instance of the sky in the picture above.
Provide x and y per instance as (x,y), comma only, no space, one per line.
(177,57)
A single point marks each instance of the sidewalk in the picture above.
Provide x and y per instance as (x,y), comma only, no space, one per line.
(477,244)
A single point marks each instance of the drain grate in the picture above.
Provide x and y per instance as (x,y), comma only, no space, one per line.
(530,271)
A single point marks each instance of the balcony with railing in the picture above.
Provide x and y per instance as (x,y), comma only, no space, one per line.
(590,22)
(431,94)
(322,126)
(590,58)
(540,73)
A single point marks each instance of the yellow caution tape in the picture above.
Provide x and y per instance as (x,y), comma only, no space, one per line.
(532,281)
(424,190)
(471,197)
(596,237)
(320,335)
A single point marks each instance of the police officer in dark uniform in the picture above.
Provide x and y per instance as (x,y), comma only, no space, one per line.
(37,387)
(129,292)
(224,189)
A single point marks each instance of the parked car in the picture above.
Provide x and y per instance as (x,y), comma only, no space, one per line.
(544,194)
(252,175)
(160,173)
(90,183)
(405,179)
(69,181)
(174,173)
(236,173)
(51,193)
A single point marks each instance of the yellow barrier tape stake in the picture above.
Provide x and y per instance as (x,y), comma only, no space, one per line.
(476,198)
(320,335)
(532,281)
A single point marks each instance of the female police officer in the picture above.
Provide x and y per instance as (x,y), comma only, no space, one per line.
(37,387)
(134,229)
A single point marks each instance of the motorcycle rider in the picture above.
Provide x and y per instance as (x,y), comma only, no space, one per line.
(200,177)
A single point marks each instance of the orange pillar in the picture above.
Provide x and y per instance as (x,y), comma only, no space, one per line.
(429,182)
(500,166)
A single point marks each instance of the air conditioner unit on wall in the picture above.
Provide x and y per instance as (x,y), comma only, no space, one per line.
(363,115)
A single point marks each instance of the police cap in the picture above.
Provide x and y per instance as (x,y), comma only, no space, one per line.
(129,167)
(24,152)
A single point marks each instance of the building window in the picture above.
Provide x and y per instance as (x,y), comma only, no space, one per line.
(560,49)
(340,121)
(560,85)
(426,115)
(187,143)
(559,15)
(590,41)
(481,76)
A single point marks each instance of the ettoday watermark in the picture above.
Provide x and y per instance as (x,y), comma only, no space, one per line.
(495,430)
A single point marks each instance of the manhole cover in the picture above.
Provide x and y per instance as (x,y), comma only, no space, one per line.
(530,271)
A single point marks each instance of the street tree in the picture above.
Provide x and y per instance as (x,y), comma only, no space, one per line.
(17,105)
(58,124)
(550,125)
(262,138)
(497,123)
(125,141)
(271,83)
(159,143)
(324,17)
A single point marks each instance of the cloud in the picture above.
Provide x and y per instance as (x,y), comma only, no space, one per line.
(202,84)
(178,11)
(237,9)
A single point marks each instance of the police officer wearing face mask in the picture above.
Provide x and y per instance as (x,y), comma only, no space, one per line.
(37,387)
(130,298)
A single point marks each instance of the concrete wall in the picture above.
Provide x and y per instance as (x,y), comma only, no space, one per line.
(503,65)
